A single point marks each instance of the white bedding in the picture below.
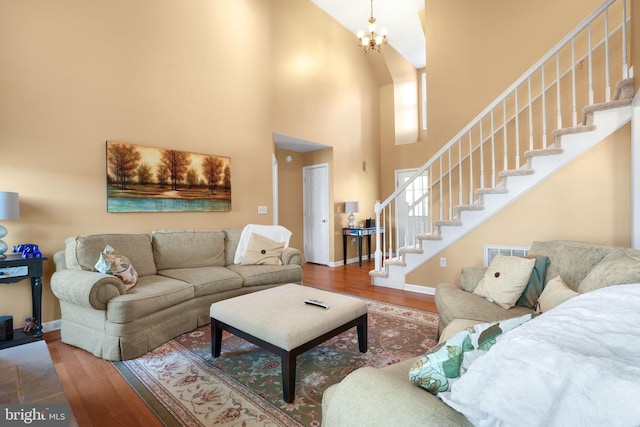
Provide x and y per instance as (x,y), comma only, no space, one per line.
(576,365)
(273,232)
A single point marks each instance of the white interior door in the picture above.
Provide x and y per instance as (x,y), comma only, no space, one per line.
(316,213)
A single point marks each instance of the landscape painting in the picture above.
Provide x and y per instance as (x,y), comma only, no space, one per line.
(149,179)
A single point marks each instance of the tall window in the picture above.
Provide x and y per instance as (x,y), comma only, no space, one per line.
(423,99)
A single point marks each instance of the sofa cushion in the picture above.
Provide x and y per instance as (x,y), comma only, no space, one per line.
(621,266)
(256,275)
(570,259)
(188,248)
(263,251)
(232,238)
(505,279)
(555,293)
(151,294)
(82,252)
(454,303)
(206,280)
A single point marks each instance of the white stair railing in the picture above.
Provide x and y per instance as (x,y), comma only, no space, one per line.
(462,171)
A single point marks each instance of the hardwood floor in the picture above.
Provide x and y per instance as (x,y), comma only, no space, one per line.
(99,396)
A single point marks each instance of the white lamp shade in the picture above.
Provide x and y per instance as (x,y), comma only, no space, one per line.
(352,207)
(9,205)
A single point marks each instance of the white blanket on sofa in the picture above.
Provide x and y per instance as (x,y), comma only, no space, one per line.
(576,365)
(273,232)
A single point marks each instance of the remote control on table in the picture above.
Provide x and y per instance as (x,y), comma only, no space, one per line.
(317,303)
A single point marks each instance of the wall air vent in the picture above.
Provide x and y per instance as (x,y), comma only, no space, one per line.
(491,251)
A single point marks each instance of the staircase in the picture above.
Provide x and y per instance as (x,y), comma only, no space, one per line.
(509,147)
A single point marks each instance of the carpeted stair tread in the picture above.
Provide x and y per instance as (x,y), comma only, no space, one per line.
(572,130)
(544,152)
(410,250)
(516,172)
(448,223)
(384,274)
(461,208)
(483,191)
(587,112)
(429,237)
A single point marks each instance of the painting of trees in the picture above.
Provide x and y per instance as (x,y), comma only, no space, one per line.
(213,170)
(177,162)
(144,173)
(148,179)
(123,161)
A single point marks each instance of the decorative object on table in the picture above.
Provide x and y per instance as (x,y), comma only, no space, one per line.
(149,179)
(9,209)
(29,324)
(6,328)
(352,207)
(372,40)
(28,250)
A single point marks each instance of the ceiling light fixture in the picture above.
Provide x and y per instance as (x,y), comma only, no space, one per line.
(372,40)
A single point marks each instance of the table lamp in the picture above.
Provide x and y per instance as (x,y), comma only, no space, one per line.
(352,207)
(9,209)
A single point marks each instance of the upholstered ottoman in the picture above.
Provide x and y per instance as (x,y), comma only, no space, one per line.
(278,320)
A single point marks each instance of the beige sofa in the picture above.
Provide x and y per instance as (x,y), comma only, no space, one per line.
(181,273)
(379,397)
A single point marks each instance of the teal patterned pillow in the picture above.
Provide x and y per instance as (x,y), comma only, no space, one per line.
(441,366)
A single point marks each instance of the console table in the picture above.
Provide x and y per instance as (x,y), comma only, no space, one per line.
(359,233)
(14,269)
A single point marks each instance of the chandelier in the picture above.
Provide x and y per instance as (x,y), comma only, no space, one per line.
(372,40)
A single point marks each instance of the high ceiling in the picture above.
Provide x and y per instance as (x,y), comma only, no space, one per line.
(400,17)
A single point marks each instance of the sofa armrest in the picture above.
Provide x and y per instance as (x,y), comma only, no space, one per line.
(470,276)
(375,397)
(292,256)
(86,288)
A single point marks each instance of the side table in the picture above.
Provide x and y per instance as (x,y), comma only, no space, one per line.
(14,269)
(359,233)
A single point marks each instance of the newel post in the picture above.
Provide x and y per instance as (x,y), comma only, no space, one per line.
(378,253)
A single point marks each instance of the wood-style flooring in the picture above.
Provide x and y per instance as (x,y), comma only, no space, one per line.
(99,396)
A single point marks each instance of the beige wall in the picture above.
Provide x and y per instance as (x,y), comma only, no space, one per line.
(203,76)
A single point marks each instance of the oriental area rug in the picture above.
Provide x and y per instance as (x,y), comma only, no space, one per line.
(185,386)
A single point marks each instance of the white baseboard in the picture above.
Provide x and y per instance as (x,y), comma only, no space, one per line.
(54,325)
(420,289)
(349,261)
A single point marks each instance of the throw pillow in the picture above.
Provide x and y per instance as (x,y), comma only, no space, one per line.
(555,293)
(441,366)
(262,250)
(532,291)
(113,262)
(622,266)
(505,279)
